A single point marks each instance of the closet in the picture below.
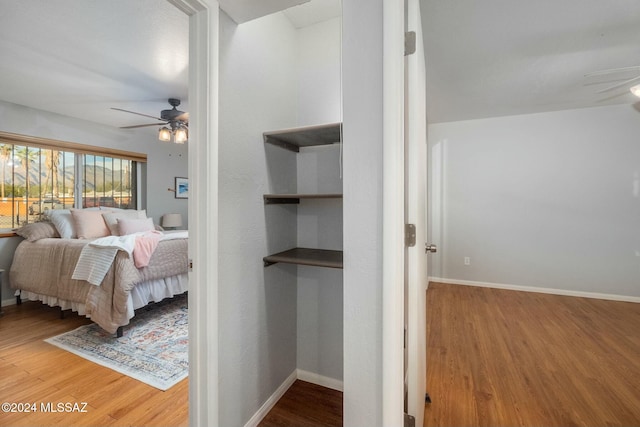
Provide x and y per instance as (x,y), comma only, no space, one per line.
(280,210)
(293,140)
(313,205)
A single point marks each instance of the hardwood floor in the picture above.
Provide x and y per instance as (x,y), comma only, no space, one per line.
(32,371)
(495,358)
(506,358)
(306,405)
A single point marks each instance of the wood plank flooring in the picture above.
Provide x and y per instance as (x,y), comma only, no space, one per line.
(32,371)
(306,405)
(495,358)
(505,358)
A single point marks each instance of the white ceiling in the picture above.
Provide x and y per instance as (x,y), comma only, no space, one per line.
(503,57)
(79,58)
(246,10)
(313,12)
(484,58)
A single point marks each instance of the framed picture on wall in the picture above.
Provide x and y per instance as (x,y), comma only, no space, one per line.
(182,188)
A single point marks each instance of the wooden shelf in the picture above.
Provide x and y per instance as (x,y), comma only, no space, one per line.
(306,256)
(308,136)
(293,139)
(274,199)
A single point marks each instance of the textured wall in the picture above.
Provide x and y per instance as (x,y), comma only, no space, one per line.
(546,200)
(257,312)
(362,106)
(319,221)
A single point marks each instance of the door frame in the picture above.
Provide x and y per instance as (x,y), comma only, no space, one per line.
(393,214)
(203,209)
(416,203)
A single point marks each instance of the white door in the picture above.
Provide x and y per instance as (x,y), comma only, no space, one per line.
(415,213)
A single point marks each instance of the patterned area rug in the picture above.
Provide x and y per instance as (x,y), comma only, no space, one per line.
(154,348)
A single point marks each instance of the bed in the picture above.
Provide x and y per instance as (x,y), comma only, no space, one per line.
(43,266)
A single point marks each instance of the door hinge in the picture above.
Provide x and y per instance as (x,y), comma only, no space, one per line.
(190,265)
(409,420)
(409,43)
(409,235)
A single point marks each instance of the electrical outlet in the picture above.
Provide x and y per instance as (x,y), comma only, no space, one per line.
(467,260)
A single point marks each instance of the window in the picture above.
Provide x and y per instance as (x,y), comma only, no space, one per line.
(36,177)
(108,181)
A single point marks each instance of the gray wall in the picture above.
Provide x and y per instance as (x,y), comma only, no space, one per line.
(547,200)
(320,289)
(257,312)
(362,111)
(165,160)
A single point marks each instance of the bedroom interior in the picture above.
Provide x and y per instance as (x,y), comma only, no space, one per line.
(572,192)
(312,47)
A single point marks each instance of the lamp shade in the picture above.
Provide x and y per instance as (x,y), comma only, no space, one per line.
(164,134)
(180,137)
(172,220)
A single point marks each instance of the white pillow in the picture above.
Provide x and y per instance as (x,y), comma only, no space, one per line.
(130,226)
(89,224)
(111,218)
(61,219)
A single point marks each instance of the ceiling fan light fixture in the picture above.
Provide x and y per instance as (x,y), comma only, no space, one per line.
(635,90)
(177,121)
(181,135)
(164,134)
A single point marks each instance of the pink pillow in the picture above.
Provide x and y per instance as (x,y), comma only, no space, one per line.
(130,226)
(111,218)
(89,224)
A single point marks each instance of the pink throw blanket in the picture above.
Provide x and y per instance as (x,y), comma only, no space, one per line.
(144,247)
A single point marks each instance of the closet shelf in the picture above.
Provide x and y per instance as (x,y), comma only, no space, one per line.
(306,256)
(273,199)
(308,136)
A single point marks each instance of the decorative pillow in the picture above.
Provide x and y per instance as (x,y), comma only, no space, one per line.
(111,218)
(130,226)
(38,230)
(63,222)
(89,224)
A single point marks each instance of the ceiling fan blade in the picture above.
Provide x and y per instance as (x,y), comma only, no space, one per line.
(140,114)
(184,117)
(141,126)
(624,83)
(612,70)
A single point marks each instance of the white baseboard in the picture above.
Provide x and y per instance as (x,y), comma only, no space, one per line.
(272,400)
(8,302)
(321,380)
(298,374)
(565,292)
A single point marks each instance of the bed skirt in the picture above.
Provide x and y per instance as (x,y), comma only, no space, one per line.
(141,295)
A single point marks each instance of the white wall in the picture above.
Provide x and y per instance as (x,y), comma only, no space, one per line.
(165,161)
(362,63)
(320,289)
(318,56)
(547,200)
(257,311)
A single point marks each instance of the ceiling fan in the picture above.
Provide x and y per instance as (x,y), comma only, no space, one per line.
(634,88)
(177,120)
